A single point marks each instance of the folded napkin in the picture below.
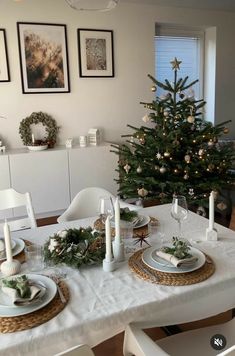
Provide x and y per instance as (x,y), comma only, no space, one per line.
(176,262)
(17,299)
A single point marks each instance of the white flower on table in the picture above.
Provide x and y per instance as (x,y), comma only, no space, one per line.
(52,245)
(62,233)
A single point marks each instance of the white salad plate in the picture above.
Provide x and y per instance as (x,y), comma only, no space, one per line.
(19,246)
(12,310)
(13,243)
(143,220)
(37,148)
(150,258)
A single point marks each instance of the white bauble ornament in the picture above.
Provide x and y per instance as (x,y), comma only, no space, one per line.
(210,143)
(139,169)
(191,119)
(142,192)
(191,191)
(127,168)
(187,158)
(146,118)
(186,176)
(166,154)
(2,245)
(222,206)
(162,170)
(166,113)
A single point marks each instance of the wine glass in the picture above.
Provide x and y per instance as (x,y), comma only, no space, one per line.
(105,208)
(179,210)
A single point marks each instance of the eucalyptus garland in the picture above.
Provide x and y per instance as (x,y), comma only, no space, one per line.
(46,120)
(75,247)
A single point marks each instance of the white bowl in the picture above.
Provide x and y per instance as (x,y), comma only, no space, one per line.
(37,148)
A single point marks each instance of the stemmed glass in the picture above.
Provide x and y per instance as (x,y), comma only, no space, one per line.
(179,210)
(105,208)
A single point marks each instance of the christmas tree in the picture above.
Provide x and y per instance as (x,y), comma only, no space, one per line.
(177,151)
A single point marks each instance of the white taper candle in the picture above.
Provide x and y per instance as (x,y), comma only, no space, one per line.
(117,221)
(33,139)
(211,211)
(108,254)
(7,238)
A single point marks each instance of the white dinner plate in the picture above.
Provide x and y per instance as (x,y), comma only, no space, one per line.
(13,244)
(143,220)
(148,259)
(51,290)
(19,246)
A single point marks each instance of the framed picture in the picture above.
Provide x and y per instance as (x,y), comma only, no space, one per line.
(43,58)
(95,48)
(4,67)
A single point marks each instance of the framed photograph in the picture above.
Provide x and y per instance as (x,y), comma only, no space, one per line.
(43,58)
(95,49)
(4,67)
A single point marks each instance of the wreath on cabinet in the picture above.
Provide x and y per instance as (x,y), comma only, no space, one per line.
(46,120)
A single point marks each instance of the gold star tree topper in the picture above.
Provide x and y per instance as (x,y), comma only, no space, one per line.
(175,64)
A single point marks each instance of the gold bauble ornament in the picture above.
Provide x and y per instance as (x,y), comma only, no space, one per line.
(191,119)
(142,192)
(142,140)
(139,169)
(166,154)
(201,152)
(166,113)
(153,88)
(226,130)
(162,170)
(210,143)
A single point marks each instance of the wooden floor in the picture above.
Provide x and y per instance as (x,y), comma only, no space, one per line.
(113,346)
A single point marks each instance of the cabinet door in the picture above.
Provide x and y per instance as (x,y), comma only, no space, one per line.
(92,167)
(45,175)
(5,182)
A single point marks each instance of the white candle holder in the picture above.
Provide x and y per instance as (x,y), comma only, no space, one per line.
(118,251)
(211,234)
(9,268)
(109,266)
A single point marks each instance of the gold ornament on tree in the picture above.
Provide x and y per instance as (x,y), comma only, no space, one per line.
(187,158)
(162,169)
(226,130)
(146,118)
(139,169)
(190,119)
(153,88)
(127,168)
(142,192)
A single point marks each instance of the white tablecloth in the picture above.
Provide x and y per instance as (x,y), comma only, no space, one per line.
(101,304)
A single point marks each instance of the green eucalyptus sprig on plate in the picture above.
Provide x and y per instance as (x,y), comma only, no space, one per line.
(20,284)
(75,247)
(180,249)
(128,215)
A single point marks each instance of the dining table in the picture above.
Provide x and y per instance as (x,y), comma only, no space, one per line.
(101,303)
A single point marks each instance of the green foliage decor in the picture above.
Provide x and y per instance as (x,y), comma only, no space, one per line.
(180,248)
(176,151)
(46,120)
(75,247)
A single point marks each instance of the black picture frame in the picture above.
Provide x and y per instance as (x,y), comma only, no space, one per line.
(95,52)
(43,58)
(4,64)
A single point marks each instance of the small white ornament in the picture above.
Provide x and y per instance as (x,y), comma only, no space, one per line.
(162,170)
(187,158)
(158,155)
(201,152)
(62,233)
(186,176)
(142,192)
(191,191)
(146,118)
(191,119)
(52,245)
(166,113)
(127,168)
(210,143)
(69,143)
(139,169)
(166,154)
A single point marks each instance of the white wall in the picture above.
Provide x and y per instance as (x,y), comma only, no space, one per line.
(107,103)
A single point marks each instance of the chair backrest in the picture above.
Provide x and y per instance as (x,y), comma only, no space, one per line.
(9,199)
(86,204)
(79,350)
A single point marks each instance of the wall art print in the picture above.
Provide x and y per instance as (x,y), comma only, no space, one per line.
(95,49)
(4,67)
(43,57)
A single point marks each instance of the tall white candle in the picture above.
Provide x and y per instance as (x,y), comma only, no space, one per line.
(211,211)
(117,221)
(7,238)
(33,139)
(176,206)
(108,255)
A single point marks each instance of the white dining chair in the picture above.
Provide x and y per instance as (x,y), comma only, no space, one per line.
(79,350)
(85,204)
(194,342)
(10,199)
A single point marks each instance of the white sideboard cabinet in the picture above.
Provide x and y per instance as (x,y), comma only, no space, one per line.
(55,176)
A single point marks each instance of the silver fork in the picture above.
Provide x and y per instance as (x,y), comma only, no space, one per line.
(57,280)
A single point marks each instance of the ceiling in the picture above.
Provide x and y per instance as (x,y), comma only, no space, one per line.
(224,5)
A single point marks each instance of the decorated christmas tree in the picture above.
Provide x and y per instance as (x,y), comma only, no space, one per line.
(176,151)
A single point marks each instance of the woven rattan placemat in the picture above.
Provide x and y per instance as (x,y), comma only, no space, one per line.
(28,321)
(170,279)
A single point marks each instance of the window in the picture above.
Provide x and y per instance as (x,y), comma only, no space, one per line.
(187,46)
